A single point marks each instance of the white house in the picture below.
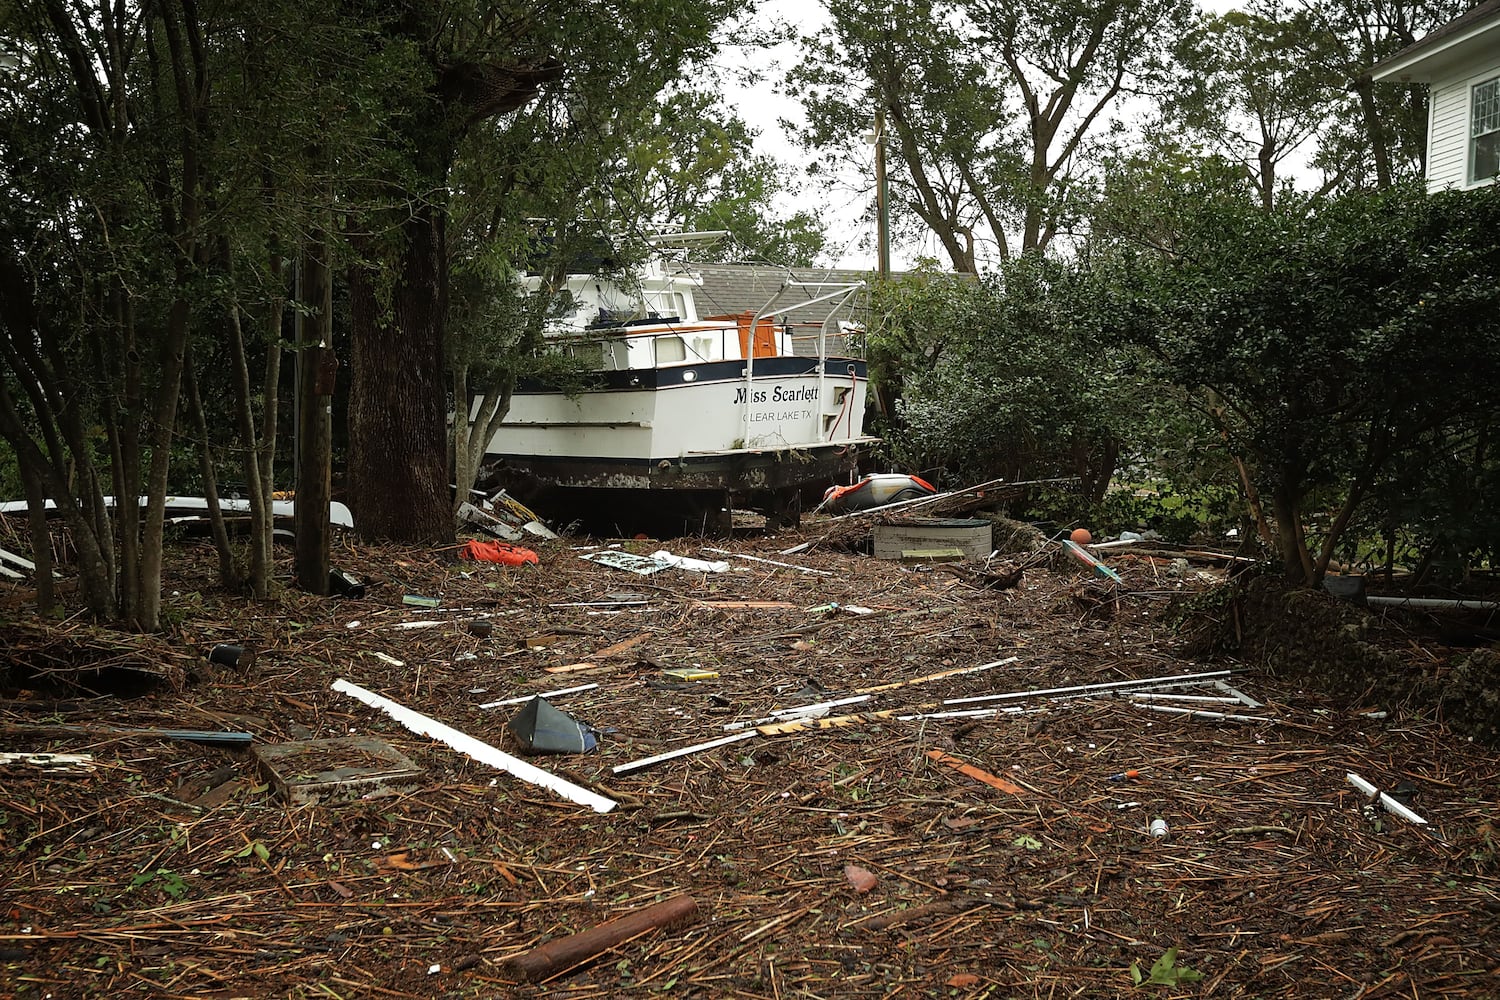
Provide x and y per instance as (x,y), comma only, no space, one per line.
(1461,63)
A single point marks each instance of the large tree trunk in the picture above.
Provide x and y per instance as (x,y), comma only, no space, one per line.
(1291,543)
(398,482)
(316,370)
(398,400)
(1374,130)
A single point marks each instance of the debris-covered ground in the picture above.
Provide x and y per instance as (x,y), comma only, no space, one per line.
(1003,854)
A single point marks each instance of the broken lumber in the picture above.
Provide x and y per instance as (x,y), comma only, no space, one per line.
(50,761)
(561,954)
(978,774)
(940,675)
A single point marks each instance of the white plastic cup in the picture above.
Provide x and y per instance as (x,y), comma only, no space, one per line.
(1158,827)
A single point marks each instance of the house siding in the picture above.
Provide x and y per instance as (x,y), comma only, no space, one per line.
(1448,127)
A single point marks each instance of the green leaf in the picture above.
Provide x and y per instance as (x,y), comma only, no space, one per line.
(1166,971)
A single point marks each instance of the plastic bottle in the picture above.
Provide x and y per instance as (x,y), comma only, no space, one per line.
(1158,828)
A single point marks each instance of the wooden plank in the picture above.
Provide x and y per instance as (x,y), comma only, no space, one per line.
(993,780)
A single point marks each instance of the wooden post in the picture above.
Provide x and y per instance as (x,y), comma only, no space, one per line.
(563,953)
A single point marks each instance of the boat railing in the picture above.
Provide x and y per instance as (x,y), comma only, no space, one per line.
(808,340)
(841,293)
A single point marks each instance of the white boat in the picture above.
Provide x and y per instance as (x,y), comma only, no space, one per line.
(686,415)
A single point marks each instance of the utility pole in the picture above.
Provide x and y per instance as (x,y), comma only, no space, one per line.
(882,207)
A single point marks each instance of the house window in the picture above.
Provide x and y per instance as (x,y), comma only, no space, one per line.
(1484,132)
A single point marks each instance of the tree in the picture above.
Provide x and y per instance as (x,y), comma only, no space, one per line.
(1332,347)
(1375,136)
(1257,86)
(994,383)
(157,180)
(456,67)
(990,106)
(615,150)
(946,116)
(480,64)
(688,159)
(123,94)
(1071,62)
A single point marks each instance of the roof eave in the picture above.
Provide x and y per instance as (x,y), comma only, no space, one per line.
(1421,62)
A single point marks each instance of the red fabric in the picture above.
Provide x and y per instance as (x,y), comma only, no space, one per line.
(498,552)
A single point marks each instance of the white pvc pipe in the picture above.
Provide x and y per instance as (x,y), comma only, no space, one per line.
(1390,804)
(1168,696)
(1434,603)
(1153,682)
(424,725)
(544,694)
(1199,713)
(645,762)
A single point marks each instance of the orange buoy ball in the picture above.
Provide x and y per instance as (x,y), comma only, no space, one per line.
(1081,536)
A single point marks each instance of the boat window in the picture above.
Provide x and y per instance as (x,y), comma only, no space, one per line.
(703,349)
(669,349)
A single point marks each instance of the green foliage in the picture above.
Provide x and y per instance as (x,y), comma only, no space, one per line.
(989,379)
(256,848)
(1332,348)
(1374,135)
(1164,972)
(693,162)
(167,881)
(1182,513)
(1256,86)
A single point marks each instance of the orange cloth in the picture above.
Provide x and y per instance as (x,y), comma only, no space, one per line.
(498,552)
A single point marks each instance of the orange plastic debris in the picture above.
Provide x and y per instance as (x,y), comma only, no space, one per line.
(498,552)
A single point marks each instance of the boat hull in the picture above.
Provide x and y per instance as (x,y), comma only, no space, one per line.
(793,422)
(672,450)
